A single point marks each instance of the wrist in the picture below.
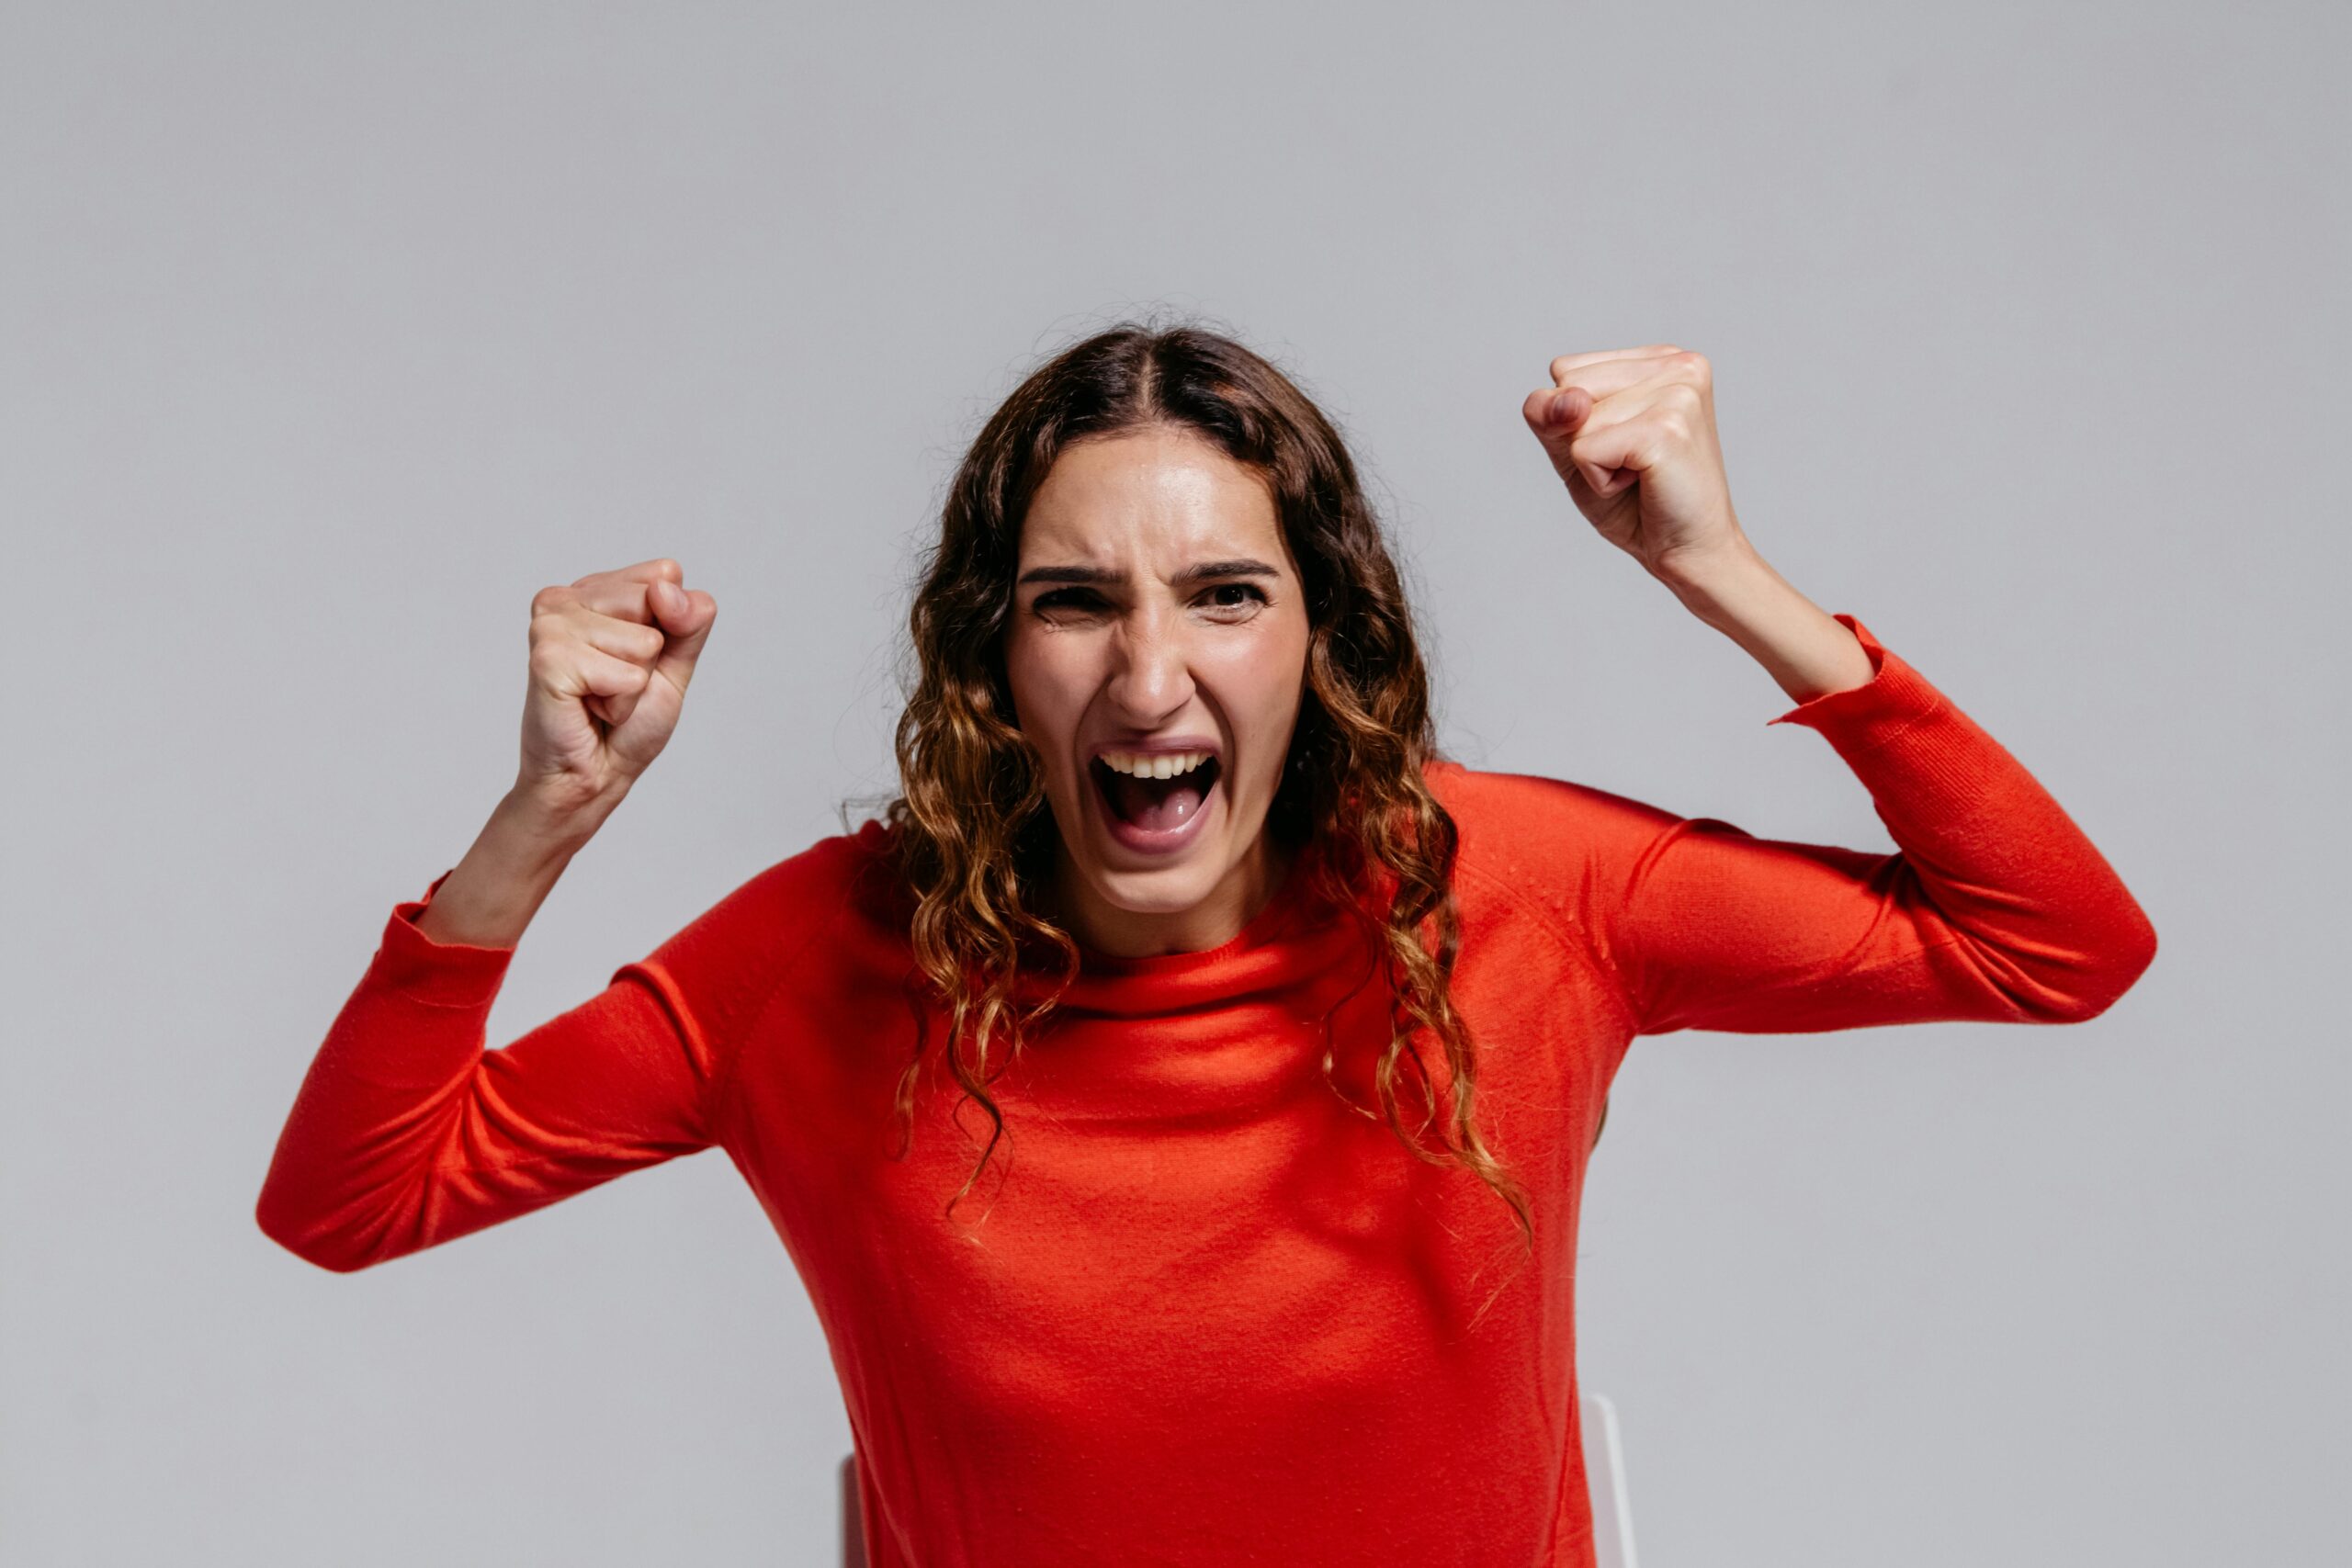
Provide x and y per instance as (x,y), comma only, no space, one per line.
(540,825)
(1713,584)
(490,896)
(1802,646)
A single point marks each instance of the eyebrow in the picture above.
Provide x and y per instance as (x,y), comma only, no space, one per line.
(1199,572)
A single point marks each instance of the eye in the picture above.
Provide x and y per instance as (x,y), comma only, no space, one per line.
(1087,599)
(1251,588)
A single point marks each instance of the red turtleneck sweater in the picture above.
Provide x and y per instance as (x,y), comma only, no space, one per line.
(1213,1315)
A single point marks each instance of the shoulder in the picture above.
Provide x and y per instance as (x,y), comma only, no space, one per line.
(792,903)
(1520,826)
(1569,853)
(835,864)
(1538,853)
(817,885)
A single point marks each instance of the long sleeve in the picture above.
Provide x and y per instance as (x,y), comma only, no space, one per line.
(1993,906)
(406,1133)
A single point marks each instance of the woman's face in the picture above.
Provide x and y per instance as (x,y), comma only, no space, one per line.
(1156,611)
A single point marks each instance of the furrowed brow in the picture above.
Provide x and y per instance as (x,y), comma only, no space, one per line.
(1201,572)
(1207,569)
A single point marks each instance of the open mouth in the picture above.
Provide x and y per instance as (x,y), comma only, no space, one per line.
(1155,806)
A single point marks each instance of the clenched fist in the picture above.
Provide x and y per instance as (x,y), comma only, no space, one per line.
(1632,432)
(610,659)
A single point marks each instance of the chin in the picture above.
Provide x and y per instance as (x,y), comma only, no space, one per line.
(1166,890)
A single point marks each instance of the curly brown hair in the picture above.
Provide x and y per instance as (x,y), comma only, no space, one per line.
(973,834)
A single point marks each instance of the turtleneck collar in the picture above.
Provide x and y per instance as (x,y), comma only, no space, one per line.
(1299,945)
(1300,954)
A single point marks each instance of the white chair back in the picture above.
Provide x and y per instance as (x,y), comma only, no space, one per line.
(1604,1474)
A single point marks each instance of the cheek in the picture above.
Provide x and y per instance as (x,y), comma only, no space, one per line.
(1260,691)
(1049,688)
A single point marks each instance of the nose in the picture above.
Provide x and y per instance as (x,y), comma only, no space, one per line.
(1151,669)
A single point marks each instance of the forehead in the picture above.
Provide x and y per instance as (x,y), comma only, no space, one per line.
(1162,493)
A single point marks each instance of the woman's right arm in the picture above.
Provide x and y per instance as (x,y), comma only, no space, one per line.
(407,1132)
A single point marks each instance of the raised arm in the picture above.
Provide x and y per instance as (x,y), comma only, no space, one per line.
(1993,905)
(405,1132)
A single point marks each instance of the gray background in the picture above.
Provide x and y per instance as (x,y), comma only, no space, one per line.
(333,333)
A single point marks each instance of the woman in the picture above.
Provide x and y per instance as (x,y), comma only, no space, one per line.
(1182,898)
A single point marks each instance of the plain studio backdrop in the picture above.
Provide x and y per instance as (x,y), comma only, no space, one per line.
(332,334)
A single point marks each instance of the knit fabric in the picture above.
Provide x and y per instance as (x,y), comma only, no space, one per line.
(1203,1307)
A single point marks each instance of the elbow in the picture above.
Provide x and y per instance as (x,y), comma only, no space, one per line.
(2123,956)
(313,1243)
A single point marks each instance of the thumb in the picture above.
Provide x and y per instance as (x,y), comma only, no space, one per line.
(686,619)
(1556,414)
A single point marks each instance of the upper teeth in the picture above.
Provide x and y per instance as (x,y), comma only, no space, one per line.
(1155,766)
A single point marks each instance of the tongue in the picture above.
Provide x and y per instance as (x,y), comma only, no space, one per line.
(1158,805)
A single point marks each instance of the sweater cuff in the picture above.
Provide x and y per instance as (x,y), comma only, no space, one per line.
(1863,717)
(440,974)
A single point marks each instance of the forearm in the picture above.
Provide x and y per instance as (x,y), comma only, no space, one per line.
(491,895)
(1806,650)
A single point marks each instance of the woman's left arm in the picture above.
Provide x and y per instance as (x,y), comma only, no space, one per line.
(1994,903)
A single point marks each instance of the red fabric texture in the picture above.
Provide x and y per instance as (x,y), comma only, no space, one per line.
(1200,1309)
